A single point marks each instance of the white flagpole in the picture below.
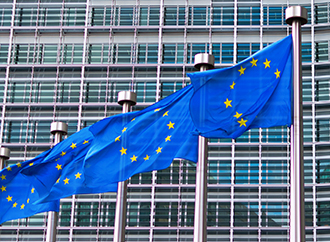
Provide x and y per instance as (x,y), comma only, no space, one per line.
(127,100)
(203,62)
(58,129)
(297,16)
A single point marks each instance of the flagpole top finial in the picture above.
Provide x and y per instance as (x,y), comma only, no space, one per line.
(61,127)
(4,153)
(204,59)
(127,96)
(296,13)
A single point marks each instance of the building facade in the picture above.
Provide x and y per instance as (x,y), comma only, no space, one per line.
(66,60)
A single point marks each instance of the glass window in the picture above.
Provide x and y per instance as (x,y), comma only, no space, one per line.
(227,53)
(218,214)
(173,53)
(26,16)
(149,16)
(166,214)
(322,171)
(107,214)
(321,51)
(245,50)
(101,16)
(72,54)
(138,214)
(274,214)
(275,134)
(248,15)
(306,52)
(5,16)
(193,49)
(147,53)
(321,12)
(187,214)
(246,172)
(323,213)
(174,16)
(246,214)
(322,89)
(274,171)
(223,16)
(169,175)
(49,16)
(68,91)
(49,53)
(3,53)
(43,91)
(15,131)
(86,214)
(98,54)
(124,16)
(199,16)
(274,15)
(23,54)
(219,171)
(124,54)
(18,91)
(74,16)
(94,92)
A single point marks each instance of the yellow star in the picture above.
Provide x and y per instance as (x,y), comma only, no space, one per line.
(132,119)
(117,139)
(168,138)
(63,153)
(228,103)
(58,180)
(66,181)
(9,198)
(32,190)
(133,158)
(242,122)
(28,200)
(57,159)
(146,158)
(266,63)
(241,71)
(170,125)
(124,129)
(3,177)
(85,142)
(31,164)
(156,110)
(14,205)
(165,114)
(123,151)
(73,145)
(59,167)
(159,150)
(277,73)
(22,206)
(253,62)
(237,115)
(3,189)
(78,175)
(19,164)
(8,168)
(232,85)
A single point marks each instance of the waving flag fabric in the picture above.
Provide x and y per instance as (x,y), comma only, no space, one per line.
(118,147)
(254,93)
(17,195)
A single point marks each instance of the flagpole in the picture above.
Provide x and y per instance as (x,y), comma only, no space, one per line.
(297,16)
(4,155)
(58,129)
(127,100)
(203,62)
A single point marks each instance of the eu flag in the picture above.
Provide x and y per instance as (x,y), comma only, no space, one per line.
(61,169)
(118,147)
(255,93)
(18,195)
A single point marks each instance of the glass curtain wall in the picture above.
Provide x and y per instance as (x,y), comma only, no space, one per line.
(67,60)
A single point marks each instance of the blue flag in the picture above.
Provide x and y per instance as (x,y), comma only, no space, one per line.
(18,195)
(61,170)
(256,93)
(118,147)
